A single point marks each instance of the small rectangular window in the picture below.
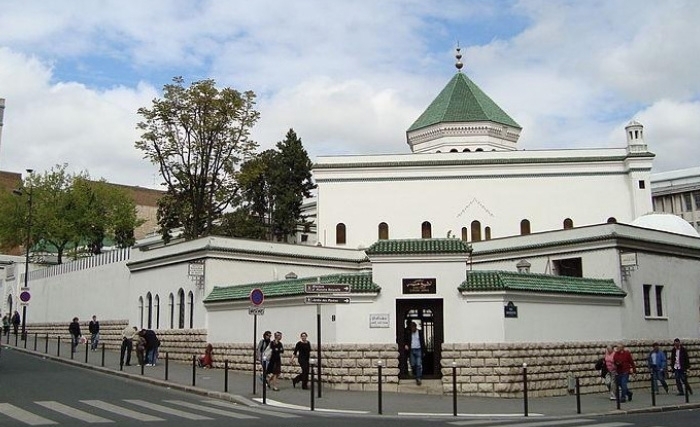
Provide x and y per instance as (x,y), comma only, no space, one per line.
(647,300)
(642,184)
(687,202)
(572,267)
(696,199)
(659,300)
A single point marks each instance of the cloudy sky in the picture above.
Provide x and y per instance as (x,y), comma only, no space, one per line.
(349,77)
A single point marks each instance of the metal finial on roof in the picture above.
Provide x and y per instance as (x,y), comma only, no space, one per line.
(459,64)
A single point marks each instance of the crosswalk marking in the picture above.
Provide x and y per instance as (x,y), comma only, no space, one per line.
(166,410)
(24,416)
(245,408)
(582,422)
(73,412)
(121,411)
(210,410)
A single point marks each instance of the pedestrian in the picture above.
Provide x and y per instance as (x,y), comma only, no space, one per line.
(264,352)
(657,368)
(140,343)
(16,320)
(414,344)
(6,324)
(94,328)
(302,351)
(152,343)
(624,364)
(74,329)
(611,376)
(206,360)
(680,363)
(274,364)
(127,345)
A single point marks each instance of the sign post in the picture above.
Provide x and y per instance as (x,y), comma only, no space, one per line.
(324,288)
(257,297)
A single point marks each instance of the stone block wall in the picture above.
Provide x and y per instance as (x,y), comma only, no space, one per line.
(110,331)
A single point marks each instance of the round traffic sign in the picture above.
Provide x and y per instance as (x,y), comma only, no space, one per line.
(24,296)
(256,296)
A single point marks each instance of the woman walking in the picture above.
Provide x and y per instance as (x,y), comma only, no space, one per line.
(302,351)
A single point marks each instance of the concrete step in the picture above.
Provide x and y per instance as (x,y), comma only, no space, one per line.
(426,387)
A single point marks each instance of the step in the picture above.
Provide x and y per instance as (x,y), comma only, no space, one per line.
(426,387)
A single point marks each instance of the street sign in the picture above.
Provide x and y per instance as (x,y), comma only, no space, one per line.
(257,296)
(327,300)
(326,288)
(25,296)
(256,311)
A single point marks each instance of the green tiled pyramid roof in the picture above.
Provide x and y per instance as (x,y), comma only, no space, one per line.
(480,281)
(359,283)
(462,101)
(418,246)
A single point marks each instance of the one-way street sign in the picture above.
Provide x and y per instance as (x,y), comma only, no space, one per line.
(327,300)
(329,288)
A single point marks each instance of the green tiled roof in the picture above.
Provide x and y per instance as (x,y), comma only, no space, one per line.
(359,283)
(480,281)
(419,246)
(462,101)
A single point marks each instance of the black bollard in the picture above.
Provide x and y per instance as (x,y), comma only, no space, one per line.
(226,376)
(24,338)
(264,387)
(310,388)
(46,344)
(687,387)
(87,350)
(194,370)
(454,389)
(379,387)
(58,351)
(7,340)
(578,396)
(653,392)
(16,339)
(167,365)
(72,349)
(103,355)
(617,391)
(525,409)
(142,365)
(36,337)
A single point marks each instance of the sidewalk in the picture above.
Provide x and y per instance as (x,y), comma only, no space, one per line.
(211,382)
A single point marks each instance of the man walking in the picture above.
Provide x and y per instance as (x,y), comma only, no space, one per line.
(680,363)
(127,345)
(414,344)
(94,328)
(657,367)
(625,367)
(75,334)
(16,320)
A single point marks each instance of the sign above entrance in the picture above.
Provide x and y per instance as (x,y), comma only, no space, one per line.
(420,286)
(326,288)
(326,300)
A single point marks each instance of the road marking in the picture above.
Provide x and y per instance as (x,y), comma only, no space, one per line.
(167,410)
(610,425)
(247,409)
(271,402)
(73,412)
(549,423)
(24,416)
(210,410)
(121,411)
(474,423)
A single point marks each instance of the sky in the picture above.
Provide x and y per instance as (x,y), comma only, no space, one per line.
(349,77)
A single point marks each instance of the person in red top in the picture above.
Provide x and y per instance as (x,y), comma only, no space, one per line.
(207,359)
(624,364)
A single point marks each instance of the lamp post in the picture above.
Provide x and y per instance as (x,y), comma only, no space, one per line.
(26,255)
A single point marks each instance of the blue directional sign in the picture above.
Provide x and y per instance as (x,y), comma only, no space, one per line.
(256,296)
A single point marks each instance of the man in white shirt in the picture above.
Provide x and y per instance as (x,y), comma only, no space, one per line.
(414,344)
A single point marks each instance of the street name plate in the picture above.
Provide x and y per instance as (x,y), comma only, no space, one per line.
(327,300)
(256,311)
(330,288)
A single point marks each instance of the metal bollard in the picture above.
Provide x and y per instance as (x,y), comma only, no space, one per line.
(142,365)
(58,351)
(8,337)
(454,389)
(578,396)
(167,365)
(87,350)
(46,344)
(194,370)
(525,409)
(312,362)
(379,387)
(617,391)
(226,376)
(16,339)
(653,392)
(103,355)
(24,338)
(36,337)
(72,349)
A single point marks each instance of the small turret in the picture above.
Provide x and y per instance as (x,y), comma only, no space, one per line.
(635,137)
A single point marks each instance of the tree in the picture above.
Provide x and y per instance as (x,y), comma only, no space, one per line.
(273,187)
(197,136)
(69,211)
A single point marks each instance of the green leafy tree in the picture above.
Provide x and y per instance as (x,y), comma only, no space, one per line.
(197,136)
(273,187)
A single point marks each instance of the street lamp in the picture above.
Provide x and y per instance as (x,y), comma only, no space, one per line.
(20,192)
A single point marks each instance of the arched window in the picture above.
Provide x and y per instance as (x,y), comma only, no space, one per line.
(9,304)
(190,303)
(141,312)
(466,150)
(568,224)
(171,309)
(454,150)
(612,220)
(524,227)
(487,233)
(181,309)
(383,231)
(426,230)
(479,149)
(465,235)
(340,234)
(157,307)
(476,231)
(149,310)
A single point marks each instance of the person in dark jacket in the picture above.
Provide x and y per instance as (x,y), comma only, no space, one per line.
(302,351)
(680,363)
(16,320)
(74,329)
(152,343)
(94,327)
(414,344)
